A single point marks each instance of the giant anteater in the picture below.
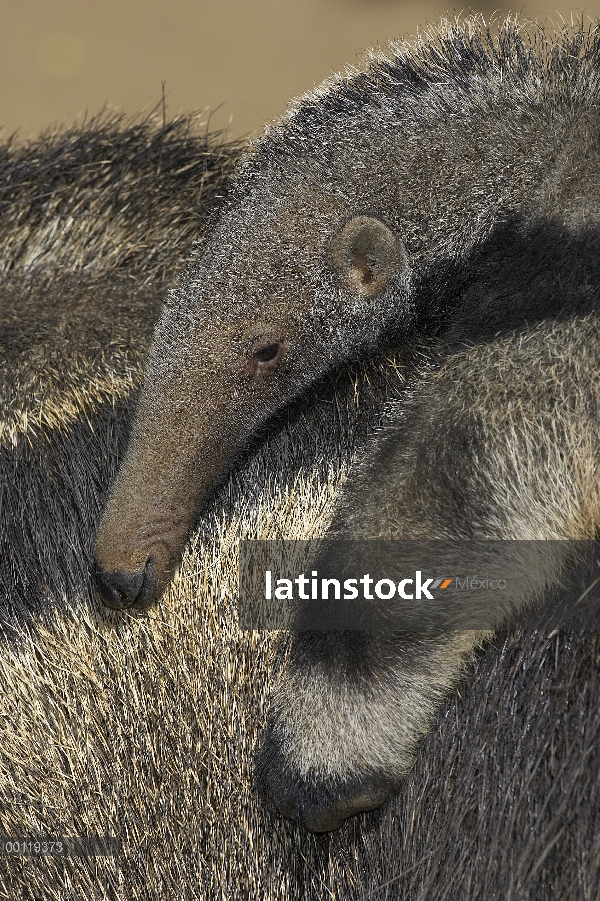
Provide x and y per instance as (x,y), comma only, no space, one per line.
(142,728)
(449,189)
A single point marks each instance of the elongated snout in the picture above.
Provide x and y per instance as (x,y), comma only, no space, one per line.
(142,533)
(196,409)
(165,476)
(148,517)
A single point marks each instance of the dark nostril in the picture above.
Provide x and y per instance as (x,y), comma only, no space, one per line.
(120,589)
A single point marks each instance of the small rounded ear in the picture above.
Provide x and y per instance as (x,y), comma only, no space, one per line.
(366,256)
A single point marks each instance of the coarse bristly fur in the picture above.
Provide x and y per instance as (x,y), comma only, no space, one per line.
(449,193)
(143,727)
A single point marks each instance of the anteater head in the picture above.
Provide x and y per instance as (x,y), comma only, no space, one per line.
(292,281)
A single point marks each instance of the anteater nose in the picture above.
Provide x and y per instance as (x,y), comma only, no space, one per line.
(121,589)
(321,805)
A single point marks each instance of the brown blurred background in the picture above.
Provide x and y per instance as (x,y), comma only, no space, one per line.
(243,59)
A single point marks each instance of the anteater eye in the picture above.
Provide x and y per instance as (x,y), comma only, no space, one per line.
(267,353)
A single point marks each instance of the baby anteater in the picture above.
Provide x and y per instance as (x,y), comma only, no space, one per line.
(448,194)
